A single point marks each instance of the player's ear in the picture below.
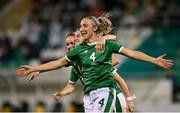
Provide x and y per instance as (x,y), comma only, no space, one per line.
(95,28)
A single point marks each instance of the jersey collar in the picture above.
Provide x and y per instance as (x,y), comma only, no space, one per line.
(91,44)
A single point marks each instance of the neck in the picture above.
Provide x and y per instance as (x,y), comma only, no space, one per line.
(92,39)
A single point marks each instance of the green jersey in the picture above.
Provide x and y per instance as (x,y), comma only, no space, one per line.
(96,67)
(76,74)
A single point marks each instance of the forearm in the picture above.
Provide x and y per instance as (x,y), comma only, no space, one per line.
(144,57)
(122,84)
(124,88)
(139,56)
(110,37)
(52,65)
(67,90)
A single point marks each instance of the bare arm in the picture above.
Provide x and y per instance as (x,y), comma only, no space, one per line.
(109,37)
(69,88)
(121,82)
(52,65)
(115,61)
(160,61)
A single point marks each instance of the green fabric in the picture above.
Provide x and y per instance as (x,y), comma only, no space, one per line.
(109,101)
(96,67)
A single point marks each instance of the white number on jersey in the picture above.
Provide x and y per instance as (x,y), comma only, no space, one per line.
(93,57)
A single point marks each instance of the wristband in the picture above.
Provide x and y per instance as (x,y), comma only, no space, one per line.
(131,98)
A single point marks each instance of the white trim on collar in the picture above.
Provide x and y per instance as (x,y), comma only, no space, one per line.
(90,44)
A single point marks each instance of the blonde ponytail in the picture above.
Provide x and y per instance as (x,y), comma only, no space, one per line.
(102,23)
(105,24)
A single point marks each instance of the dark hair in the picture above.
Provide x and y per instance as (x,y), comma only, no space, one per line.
(70,34)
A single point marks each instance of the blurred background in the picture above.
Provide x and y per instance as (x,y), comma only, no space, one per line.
(33,32)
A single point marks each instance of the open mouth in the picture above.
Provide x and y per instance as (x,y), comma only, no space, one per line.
(83,32)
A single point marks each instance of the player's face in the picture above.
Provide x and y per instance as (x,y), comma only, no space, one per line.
(70,42)
(86,28)
(78,37)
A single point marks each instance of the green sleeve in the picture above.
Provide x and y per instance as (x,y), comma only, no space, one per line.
(72,55)
(74,76)
(114,46)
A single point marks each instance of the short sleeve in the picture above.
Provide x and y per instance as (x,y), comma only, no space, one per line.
(72,55)
(114,46)
(74,76)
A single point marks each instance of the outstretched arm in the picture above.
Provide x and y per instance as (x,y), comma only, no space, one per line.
(52,65)
(160,61)
(67,90)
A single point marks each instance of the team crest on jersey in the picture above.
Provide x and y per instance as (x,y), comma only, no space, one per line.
(86,51)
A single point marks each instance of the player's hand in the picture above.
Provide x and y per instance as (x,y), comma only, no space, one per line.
(160,61)
(100,44)
(33,75)
(24,71)
(57,96)
(130,106)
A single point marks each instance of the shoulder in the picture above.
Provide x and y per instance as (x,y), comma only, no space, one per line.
(110,42)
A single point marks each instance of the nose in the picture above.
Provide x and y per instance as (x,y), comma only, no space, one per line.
(68,47)
(80,29)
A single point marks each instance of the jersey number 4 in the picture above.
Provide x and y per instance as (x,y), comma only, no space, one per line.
(93,57)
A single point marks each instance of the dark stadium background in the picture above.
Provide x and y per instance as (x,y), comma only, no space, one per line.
(33,31)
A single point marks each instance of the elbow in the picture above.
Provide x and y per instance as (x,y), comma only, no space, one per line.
(118,61)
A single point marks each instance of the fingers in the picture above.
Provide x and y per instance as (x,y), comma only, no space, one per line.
(163,55)
(168,60)
(130,106)
(31,78)
(99,47)
(131,109)
(33,75)
(164,62)
(56,96)
(168,64)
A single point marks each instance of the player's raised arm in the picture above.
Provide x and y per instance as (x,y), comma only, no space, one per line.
(52,65)
(160,61)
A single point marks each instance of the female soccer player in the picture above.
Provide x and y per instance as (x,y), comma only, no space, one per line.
(76,74)
(97,67)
